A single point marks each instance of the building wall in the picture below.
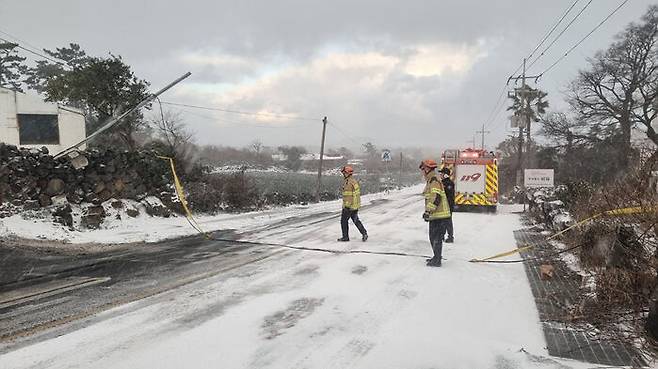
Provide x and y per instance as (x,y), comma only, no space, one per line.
(71,125)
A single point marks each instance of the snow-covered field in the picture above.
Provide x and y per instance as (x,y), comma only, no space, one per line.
(305,309)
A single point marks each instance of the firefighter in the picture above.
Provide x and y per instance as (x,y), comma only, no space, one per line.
(449,187)
(351,205)
(437,210)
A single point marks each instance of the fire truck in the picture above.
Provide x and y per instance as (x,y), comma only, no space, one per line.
(475,173)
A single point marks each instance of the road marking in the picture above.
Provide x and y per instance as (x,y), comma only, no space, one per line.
(40,291)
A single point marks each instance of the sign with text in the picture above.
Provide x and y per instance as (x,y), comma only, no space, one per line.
(534,178)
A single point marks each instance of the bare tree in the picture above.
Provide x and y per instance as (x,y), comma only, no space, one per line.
(619,89)
(257,147)
(174,136)
(565,132)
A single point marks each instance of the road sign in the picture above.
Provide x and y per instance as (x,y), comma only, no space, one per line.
(386,155)
(534,178)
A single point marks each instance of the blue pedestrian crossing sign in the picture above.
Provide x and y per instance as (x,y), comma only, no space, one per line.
(386,155)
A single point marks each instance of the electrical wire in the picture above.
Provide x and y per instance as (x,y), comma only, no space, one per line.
(560,34)
(230,122)
(491,118)
(495,111)
(550,32)
(584,38)
(345,134)
(34,52)
(279,116)
(20,40)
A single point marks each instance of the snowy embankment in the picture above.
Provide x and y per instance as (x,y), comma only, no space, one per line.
(304,309)
(145,228)
(229,169)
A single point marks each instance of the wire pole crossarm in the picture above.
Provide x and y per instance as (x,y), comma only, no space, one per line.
(483,132)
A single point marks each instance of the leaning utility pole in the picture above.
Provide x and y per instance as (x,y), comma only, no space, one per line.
(324,130)
(525,114)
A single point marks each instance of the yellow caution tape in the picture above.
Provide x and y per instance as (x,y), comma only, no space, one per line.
(181,197)
(502,254)
(615,212)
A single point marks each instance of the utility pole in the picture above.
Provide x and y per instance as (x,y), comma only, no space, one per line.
(525,114)
(400,176)
(324,130)
(472,142)
(483,133)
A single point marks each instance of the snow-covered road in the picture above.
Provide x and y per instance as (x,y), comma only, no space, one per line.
(306,309)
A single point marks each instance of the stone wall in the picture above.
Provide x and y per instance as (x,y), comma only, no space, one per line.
(31,179)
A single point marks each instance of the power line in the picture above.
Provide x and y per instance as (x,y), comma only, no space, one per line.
(560,34)
(584,38)
(550,32)
(496,109)
(339,130)
(230,122)
(490,118)
(19,40)
(280,116)
(33,52)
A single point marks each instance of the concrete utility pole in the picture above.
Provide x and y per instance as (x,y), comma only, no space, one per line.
(400,176)
(472,142)
(483,132)
(523,96)
(324,130)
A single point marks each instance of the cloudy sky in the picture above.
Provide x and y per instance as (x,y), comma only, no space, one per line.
(396,73)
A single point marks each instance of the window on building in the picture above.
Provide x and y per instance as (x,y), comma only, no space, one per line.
(38,129)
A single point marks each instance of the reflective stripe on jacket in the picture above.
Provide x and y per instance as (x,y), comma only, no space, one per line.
(351,194)
(436,202)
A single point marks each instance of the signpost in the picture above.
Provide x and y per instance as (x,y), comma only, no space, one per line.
(387,157)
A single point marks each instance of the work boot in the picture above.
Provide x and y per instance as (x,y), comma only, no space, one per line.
(343,239)
(449,240)
(434,263)
(365,237)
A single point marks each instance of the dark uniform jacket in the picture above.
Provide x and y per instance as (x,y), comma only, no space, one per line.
(449,187)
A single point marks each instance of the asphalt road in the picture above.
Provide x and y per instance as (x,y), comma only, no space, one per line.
(44,294)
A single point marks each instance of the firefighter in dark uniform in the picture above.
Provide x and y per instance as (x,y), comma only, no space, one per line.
(437,210)
(449,187)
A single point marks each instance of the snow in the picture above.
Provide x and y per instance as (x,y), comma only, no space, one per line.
(145,228)
(568,257)
(228,169)
(305,309)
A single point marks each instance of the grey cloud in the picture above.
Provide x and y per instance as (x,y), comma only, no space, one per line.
(152,36)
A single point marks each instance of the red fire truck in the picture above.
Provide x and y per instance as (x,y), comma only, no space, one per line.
(475,173)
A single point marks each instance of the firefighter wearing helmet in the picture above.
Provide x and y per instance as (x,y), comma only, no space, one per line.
(351,204)
(437,210)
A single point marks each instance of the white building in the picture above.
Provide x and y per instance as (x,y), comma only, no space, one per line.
(28,121)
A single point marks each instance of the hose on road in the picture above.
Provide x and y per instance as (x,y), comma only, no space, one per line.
(317,249)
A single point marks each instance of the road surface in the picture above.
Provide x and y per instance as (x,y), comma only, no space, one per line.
(259,306)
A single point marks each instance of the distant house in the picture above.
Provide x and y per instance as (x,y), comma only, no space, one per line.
(29,121)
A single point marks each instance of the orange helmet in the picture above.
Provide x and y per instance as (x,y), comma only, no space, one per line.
(347,169)
(428,163)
